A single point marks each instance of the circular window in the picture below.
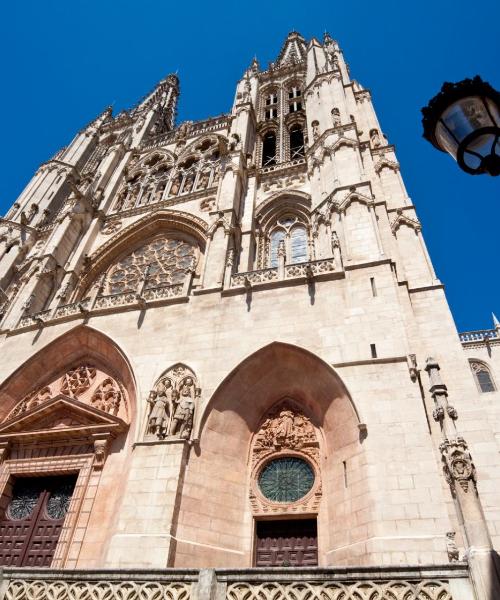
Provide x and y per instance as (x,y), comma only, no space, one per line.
(286,479)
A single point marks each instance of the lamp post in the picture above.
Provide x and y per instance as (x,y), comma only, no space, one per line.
(464,120)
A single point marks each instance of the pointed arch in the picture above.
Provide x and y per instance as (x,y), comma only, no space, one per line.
(196,148)
(343,141)
(162,155)
(142,229)
(402,219)
(280,202)
(276,371)
(76,345)
(354,196)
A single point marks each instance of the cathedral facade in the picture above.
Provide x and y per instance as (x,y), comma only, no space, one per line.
(224,348)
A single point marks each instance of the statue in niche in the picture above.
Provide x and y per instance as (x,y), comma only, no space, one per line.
(336,117)
(375,140)
(172,404)
(160,401)
(203,181)
(176,185)
(182,421)
(188,184)
(315,129)
(335,240)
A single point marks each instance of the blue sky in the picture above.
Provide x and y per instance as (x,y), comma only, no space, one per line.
(64,62)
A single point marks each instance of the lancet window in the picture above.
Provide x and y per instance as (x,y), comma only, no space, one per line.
(289,237)
(483,377)
(269,149)
(282,126)
(163,261)
(297,146)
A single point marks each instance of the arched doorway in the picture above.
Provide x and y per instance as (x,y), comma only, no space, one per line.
(64,420)
(223,500)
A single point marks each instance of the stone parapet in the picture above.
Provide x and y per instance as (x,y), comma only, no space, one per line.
(432,582)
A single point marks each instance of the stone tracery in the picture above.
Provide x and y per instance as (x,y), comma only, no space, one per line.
(286,431)
(84,382)
(165,260)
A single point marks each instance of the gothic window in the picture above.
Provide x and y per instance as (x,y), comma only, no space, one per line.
(483,377)
(158,263)
(298,244)
(269,149)
(293,234)
(277,236)
(271,106)
(296,142)
(294,99)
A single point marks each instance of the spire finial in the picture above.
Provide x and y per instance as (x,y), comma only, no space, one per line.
(496,322)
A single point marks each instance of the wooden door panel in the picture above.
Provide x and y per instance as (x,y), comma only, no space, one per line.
(286,543)
(32,523)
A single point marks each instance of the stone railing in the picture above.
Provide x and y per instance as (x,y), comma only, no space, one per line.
(259,276)
(308,270)
(126,584)
(433,582)
(481,335)
(285,165)
(87,307)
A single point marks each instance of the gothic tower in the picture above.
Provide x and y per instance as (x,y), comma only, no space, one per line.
(224,346)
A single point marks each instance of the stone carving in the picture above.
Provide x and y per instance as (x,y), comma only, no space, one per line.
(160,401)
(375,139)
(336,117)
(21,589)
(78,380)
(399,589)
(285,432)
(172,403)
(113,226)
(107,397)
(83,382)
(315,129)
(457,464)
(100,453)
(451,546)
(160,262)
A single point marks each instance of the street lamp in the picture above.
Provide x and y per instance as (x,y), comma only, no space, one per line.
(464,120)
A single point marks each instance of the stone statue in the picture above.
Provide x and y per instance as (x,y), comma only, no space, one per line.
(315,129)
(336,117)
(375,138)
(182,421)
(176,184)
(335,240)
(160,401)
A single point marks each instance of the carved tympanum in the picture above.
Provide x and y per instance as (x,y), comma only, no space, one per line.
(286,432)
(84,382)
(172,403)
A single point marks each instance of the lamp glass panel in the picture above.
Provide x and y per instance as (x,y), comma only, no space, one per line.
(445,140)
(465,116)
(494,110)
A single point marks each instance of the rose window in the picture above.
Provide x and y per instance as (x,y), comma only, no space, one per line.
(163,261)
(286,479)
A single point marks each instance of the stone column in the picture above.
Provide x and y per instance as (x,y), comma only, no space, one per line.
(460,473)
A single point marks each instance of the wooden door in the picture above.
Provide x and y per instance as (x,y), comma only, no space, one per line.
(32,523)
(286,543)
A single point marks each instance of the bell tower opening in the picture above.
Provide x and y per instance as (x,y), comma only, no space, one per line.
(286,543)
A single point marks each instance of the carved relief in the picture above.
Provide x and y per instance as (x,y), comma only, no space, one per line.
(76,381)
(285,432)
(107,397)
(457,464)
(85,383)
(172,404)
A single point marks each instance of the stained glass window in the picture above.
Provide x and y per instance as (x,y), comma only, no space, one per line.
(162,261)
(298,239)
(276,238)
(483,376)
(286,479)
